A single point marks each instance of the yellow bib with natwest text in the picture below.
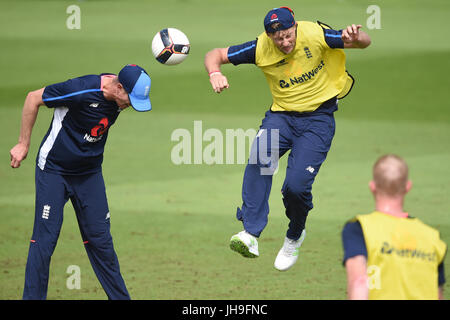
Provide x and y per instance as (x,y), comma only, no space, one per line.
(308,76)
(403,255)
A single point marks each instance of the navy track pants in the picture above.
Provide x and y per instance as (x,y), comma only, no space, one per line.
(88,196)
(308,136)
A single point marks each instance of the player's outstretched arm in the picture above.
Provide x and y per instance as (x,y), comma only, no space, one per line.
(214,59)
(29,113)
(353,37)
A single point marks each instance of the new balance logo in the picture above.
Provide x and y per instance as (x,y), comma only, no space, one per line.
(46,212)
(310,169)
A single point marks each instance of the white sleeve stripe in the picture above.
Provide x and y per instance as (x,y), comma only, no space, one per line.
(58,117)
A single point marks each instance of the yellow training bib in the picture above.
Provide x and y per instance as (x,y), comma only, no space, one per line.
(308,76)
(403,255)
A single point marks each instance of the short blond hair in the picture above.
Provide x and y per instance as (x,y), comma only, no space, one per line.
(390,174)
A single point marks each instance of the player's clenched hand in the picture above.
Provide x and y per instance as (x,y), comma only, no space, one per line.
(351,33)
(18,154)
(218,82)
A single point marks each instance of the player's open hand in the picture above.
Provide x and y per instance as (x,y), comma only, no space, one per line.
(351,33)
(218,82)
(18,154)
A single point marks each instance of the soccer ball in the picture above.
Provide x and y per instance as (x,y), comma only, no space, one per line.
(170,46)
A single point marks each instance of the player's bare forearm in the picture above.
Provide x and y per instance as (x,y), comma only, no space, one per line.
(29,113)
(357,278)
(353,37)
(214,59)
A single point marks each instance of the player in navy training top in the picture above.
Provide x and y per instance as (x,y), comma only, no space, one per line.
(68,166)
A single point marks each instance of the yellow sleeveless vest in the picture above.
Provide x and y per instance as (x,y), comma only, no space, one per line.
(308,76)
(403,255)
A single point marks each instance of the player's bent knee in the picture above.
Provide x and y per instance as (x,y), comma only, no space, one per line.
(297,191)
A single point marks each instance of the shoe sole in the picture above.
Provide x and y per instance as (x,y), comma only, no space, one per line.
(237,245)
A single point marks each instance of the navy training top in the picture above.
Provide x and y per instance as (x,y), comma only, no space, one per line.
(75,141)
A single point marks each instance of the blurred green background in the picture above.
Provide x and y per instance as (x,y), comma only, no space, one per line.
(172,223)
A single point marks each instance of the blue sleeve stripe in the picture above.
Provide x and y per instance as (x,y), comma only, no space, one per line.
(71,94)
(332,35)
(242,50)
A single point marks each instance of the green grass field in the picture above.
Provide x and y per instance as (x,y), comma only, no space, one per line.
(172,223)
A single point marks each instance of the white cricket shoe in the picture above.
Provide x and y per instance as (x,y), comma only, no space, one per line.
(245,244)
(288,254)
